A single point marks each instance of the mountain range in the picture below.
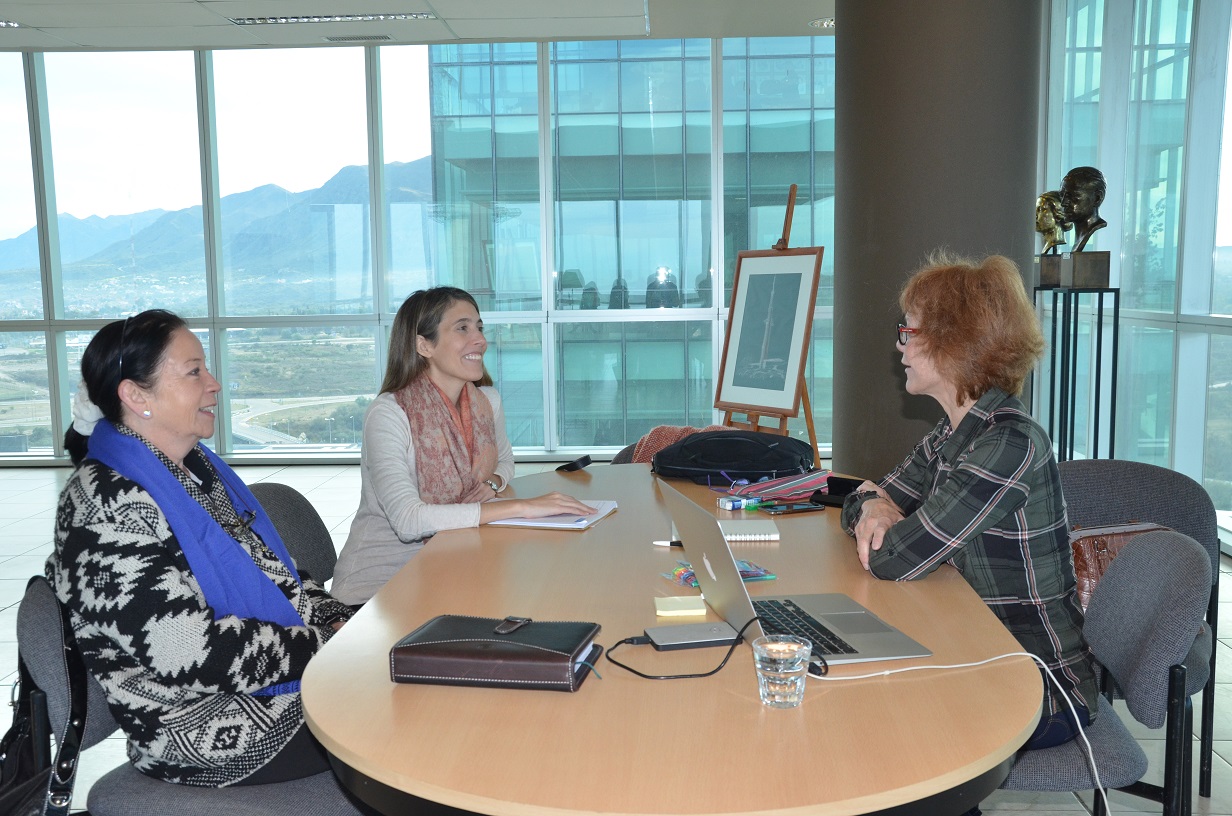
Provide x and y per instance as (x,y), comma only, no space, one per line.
(266,233)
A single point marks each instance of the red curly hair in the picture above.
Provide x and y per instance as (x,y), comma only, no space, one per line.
(975,321)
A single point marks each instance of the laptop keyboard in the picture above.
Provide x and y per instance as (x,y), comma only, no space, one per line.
(785,618)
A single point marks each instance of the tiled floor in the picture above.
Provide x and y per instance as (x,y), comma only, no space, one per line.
(27,504)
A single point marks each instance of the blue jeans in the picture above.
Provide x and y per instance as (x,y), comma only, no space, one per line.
(1057,729)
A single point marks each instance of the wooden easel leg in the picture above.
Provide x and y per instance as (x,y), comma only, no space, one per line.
(807,405)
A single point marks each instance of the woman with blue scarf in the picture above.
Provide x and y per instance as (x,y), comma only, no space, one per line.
(186,605)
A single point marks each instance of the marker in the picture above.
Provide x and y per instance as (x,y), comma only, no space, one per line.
(672,543)
(738,502)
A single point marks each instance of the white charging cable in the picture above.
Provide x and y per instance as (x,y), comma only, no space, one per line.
(1090,753)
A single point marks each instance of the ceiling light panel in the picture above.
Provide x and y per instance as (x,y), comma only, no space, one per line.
(287,19)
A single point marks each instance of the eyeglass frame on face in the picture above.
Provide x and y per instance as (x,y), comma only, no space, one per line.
(905,333)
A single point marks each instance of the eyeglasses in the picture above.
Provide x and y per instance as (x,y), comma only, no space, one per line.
(905,332)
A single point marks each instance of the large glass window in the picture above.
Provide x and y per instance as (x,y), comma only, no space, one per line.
(631,136)
(1217,478)
(619,380)
(1155,177)
(296,385)
(293,180)
(19,257)
(1217,448)
(515,360)
(127,182)
(25,415)
(778,130)
(484,220)
(411,230)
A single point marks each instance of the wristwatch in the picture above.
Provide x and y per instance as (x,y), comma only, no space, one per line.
(492,484)
(862,496)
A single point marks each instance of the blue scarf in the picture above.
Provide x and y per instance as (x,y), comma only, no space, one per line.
(231,581)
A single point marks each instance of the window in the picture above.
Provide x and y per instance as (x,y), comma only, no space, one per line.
(19,257)
(293,181)
(127,182)
(484,220)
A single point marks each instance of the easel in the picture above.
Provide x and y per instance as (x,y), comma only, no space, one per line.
(753,419)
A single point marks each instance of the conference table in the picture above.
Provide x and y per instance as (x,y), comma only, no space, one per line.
(927,741)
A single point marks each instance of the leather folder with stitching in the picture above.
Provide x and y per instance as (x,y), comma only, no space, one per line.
(459,650)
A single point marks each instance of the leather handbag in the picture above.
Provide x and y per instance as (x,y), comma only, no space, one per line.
(459,650)
(1094,548)
(31,784)
(25,750)
(724,458)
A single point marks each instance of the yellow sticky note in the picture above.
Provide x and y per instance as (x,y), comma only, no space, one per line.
(677,605)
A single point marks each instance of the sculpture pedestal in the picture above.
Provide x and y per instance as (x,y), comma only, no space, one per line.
(1077,345)
(1077,270)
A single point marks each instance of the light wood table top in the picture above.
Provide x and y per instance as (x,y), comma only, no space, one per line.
(625,745)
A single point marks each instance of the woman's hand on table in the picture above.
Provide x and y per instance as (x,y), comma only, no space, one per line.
(549,504)
(877,516)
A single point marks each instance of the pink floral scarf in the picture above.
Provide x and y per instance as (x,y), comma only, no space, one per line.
(455,447)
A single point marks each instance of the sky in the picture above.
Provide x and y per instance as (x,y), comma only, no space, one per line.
(124,125)
(124,132)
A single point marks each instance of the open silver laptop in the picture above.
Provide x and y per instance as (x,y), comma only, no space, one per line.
(858,635)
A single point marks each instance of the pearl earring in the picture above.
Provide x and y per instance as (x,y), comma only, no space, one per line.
(145,414)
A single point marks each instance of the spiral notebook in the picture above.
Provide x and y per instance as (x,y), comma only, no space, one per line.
(749,530)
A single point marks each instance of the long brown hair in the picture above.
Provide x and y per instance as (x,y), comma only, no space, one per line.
(418,316)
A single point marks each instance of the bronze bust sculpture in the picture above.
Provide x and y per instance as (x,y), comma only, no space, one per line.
(1049,221)
(1082,191)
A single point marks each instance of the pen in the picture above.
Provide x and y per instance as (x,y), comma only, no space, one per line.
(672,543)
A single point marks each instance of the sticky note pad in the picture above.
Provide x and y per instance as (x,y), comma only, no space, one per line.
(677,605)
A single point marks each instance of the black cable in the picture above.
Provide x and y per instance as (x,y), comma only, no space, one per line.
(642,640)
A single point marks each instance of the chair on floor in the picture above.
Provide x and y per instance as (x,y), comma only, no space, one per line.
(1114,491)
(625,455)
(125,791)
(1140,624)
(302,530)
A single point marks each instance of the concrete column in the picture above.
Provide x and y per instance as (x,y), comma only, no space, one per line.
(936,110)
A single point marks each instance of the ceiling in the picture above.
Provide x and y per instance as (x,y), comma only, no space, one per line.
(52,25)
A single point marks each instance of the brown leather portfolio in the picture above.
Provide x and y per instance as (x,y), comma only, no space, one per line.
(460,650)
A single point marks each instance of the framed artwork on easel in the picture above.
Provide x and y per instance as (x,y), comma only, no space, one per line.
(768,328)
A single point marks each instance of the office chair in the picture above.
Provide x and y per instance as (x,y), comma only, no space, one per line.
(619,296)
(125,791)
(571,280)
(625,455)
(1142,619)
(1115,491)
(590,295)
(301,528)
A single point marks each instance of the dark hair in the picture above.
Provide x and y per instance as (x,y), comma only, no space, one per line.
(128,349)
(418,316)
(1089,178)
(976,322)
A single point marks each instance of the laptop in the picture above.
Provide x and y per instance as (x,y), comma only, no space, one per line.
(841,630)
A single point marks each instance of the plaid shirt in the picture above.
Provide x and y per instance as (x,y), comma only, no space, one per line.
(986,498)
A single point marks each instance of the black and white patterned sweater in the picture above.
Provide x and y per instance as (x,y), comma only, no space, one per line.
(179,683)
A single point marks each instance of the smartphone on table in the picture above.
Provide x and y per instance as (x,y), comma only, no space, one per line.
(790,507)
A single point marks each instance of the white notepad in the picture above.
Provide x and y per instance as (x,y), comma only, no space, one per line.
(565,521)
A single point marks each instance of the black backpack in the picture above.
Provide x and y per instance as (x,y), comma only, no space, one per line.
(724,457)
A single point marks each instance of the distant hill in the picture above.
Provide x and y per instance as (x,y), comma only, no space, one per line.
(268,234)
(79,237)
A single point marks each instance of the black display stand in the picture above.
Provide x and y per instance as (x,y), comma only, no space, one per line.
(1063,374)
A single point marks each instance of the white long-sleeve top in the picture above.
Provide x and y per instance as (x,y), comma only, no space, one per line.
(393,522)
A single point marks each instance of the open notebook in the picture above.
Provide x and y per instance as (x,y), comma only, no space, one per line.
(568,521)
